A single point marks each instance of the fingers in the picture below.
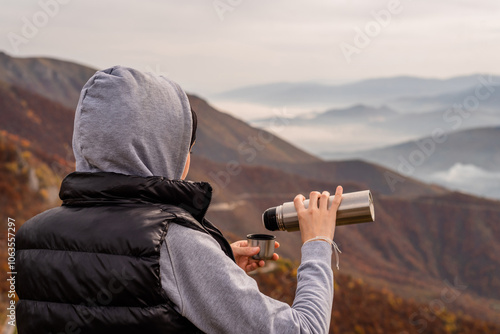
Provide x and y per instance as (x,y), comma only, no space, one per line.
(313,199)
(319,219)
(337,199)
(339,191)
(318,200)
(246,251)
(251,266)
(240,243)
(262,263)
(254,264)
(323,200)
(298,201)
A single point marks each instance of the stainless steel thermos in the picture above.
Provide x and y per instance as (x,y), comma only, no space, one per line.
(356,207)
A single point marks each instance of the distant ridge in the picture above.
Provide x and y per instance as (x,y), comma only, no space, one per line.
(477,146)
(486,93)
(376,90)
(358,113)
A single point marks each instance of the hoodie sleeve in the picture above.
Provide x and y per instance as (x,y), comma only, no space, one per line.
(219,297)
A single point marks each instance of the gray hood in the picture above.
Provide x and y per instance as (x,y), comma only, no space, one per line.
(132,123)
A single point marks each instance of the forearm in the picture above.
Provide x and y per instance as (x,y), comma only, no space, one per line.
(314,298)
(218,297)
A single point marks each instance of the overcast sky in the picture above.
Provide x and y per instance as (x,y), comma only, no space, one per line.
(210,46)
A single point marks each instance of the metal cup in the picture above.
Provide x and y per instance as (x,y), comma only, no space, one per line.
(266,244)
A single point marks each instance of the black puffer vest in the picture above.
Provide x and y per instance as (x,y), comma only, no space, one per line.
(92,265)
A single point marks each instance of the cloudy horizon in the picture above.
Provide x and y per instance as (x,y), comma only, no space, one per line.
(213,46)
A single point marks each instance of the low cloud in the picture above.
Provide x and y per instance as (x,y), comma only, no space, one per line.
(471,179)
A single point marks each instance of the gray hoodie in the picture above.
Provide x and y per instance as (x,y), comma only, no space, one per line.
(138,123)
(132,123)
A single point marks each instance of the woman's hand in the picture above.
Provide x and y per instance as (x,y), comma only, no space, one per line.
(243,255)
(317,220)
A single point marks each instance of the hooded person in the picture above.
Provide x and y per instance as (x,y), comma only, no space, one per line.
(130,251)
(132,123)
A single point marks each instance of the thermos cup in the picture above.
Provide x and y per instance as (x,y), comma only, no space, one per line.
(356,207)
(266,244)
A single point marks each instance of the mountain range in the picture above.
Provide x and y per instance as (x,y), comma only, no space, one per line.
(371,91)
(425,242)
(467,160)
(485,94)
(445,138)
(362,126)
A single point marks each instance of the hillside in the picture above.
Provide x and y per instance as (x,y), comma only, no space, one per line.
(465,160)
(475,146)
(223,138)
(416,243)
(40,79)
(59,80)
(27,187)
(374,177)
(45,126)
(361,308)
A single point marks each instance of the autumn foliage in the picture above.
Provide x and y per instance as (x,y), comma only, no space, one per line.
(359,308)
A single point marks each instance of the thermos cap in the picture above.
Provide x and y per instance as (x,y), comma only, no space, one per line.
(269,219)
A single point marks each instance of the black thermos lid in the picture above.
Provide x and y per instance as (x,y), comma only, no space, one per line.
(269,219)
